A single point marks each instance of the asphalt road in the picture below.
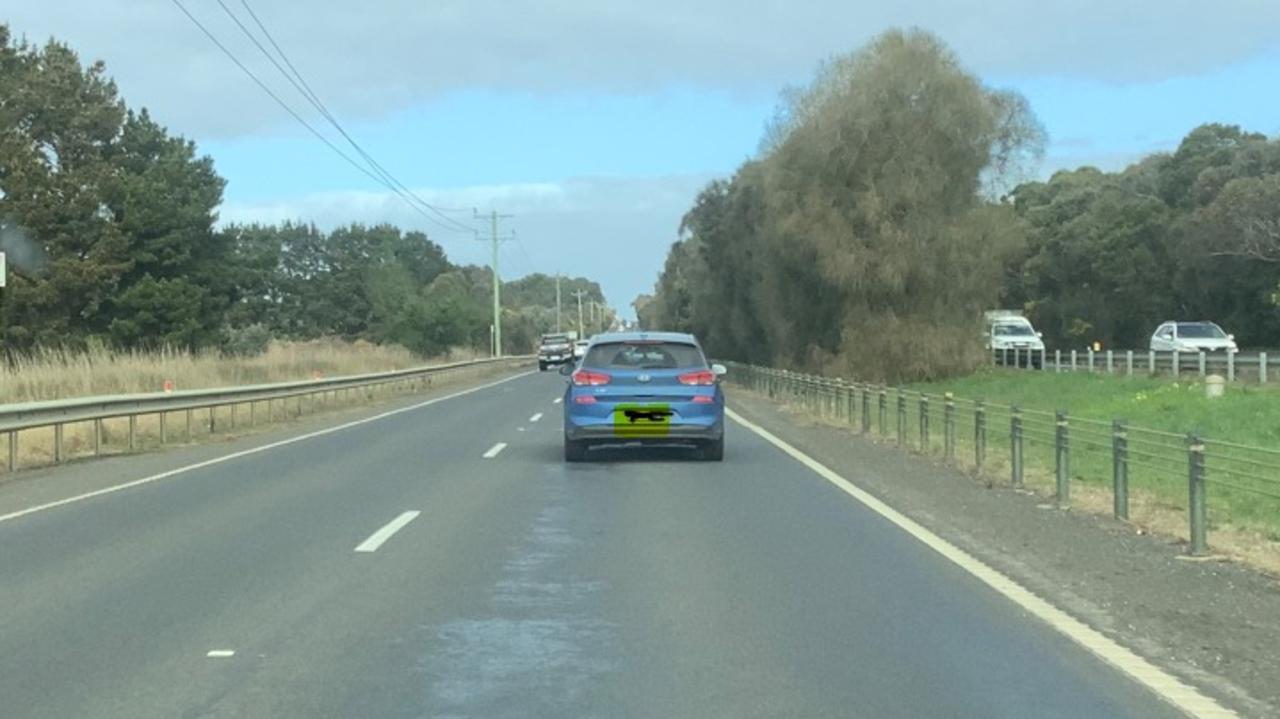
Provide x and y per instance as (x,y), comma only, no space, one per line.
(632,586)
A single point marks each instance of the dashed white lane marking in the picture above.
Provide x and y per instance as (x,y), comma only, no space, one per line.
(220,653)
(376,539)
(494,450)
(1165,685)
(556,400)
(247,452)
(536,417)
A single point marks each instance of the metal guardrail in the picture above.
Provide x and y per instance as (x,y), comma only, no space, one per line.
(16,418)
(1245,480)
(1257,366)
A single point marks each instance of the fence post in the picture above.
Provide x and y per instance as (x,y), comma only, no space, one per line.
(1120,469)
(1177,364)
(949,429)
(1201,367)
(133,432)
(1128,363)
(1073,360)
(924,423)
(189,412)
(164,433)
(1231,366)
(1015,445)
(57,444)
(884,409)
(1057,360)
(1062,459)
(1196,505)
(902,417)
(1110,363)
(979,434)
(13,450)
(866,409)
(851,403)
(97,437)
(1090,351)
(212,420)
(1262,368)
(1151,363)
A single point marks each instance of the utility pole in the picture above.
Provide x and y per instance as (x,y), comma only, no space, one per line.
(497,280)
(557,302)
(582,331)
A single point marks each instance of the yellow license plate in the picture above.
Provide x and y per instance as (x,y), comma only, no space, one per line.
(642,420)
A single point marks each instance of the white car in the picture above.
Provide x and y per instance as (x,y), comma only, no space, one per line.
(580,348)
(1192,337)
(1017,339)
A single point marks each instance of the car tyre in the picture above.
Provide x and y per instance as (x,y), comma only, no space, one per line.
(712,451)
(575,450)
(542,366)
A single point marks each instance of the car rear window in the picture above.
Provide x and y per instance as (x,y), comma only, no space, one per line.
(644,355)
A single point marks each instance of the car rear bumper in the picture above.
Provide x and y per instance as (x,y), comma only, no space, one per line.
(608,433)
(555,360)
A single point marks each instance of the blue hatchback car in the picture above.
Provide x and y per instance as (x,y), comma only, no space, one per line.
(644,388)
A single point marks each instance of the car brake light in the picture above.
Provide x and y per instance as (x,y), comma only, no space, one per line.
(588,378)
(701,377)
(584,399)
(703,399)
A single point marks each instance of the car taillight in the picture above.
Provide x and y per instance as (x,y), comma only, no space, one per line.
(584,399)
(701,377)
(588,378)
(703,399)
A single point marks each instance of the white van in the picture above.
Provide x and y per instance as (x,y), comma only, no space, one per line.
(1011,335)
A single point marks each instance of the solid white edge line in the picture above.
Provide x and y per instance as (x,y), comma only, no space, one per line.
(220,653)
(536,417)
(246,452)
(1165,685)
(494,450)
(556,400)
(376,539)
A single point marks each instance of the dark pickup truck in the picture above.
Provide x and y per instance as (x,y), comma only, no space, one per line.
(554,349)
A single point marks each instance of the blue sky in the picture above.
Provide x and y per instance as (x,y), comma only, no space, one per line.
(595,124)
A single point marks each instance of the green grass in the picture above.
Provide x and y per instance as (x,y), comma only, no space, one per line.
(1248,414)
(1240,480)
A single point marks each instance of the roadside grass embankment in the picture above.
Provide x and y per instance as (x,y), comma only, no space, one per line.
(57,374)
(1241,431)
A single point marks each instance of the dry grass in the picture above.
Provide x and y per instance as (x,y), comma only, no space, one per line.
(57,374)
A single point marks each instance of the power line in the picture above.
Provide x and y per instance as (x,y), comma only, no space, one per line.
(304,88)
(287,108)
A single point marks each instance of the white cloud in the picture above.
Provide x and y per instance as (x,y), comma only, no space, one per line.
(371,58)
(614,230)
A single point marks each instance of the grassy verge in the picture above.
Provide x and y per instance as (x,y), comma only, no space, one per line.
(1243,483)
(56,374)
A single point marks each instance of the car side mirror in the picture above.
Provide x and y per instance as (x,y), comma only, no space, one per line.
(1231,337)
(1040,335)
(719,370)
(566,370)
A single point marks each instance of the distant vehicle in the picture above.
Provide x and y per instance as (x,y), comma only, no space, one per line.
(1010,333)
(646,388)
(554,349)
(580,348)
(1192,337)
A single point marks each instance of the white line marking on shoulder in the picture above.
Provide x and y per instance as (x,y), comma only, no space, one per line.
(494,450)
(1165,685)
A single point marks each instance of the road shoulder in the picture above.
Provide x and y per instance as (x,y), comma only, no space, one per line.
(1211,623)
